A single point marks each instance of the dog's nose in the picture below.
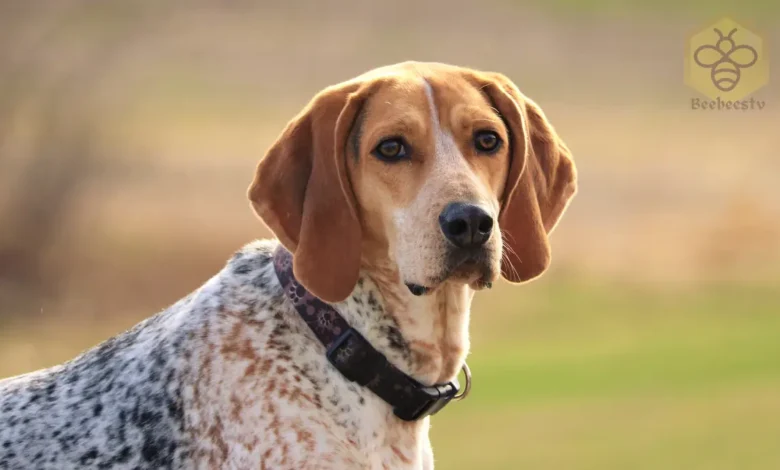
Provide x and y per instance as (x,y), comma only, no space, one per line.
(465,225)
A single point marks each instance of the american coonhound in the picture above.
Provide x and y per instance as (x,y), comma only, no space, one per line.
(394,196)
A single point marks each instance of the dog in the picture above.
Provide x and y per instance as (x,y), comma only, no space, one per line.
(393,197)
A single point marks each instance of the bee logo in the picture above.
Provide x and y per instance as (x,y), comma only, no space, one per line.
(725,59)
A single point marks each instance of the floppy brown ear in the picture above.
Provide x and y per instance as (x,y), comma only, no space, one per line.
(302,192)
(541,181)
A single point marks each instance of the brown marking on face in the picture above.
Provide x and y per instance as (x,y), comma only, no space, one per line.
(321,173)
(396,110)
(436,115)
(435,109)
(463,110)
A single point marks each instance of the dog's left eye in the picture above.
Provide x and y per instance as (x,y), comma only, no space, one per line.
(487,141)
(391,150)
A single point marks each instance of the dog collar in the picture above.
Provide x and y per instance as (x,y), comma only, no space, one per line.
(358,361)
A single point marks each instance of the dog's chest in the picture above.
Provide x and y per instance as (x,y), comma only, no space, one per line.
(261,390)
(287,407)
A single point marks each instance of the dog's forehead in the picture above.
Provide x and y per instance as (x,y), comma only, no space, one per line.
(400,95)
(420,94)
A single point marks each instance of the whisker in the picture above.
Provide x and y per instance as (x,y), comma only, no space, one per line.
(507,235)
(507,250)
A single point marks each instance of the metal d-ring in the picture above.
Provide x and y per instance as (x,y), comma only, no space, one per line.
(467,387)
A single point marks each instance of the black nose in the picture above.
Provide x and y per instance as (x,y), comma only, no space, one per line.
(465,225)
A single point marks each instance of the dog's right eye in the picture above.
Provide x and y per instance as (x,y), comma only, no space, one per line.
(391,150)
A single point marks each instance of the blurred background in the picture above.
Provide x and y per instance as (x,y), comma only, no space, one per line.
(129,132)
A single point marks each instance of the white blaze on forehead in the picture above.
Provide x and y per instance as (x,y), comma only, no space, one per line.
(418,249)
(448,161)
(445,148)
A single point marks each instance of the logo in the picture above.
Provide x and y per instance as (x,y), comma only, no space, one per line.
(725,59)
(726,62)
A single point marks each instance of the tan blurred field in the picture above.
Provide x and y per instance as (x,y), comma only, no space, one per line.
(129,132)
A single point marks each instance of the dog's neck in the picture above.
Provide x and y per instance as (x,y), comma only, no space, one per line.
(424,336)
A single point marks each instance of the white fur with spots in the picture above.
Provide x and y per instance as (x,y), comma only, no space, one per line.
(229,377)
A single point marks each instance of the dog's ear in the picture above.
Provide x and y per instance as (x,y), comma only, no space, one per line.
(302,192)
(541,181)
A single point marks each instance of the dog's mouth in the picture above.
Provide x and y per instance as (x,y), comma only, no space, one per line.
(474,269)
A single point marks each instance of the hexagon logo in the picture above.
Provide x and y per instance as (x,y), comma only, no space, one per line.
(726,61)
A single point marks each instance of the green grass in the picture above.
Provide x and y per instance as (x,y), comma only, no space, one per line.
(585,377)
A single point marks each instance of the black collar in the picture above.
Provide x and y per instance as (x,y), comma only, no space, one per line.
(355,358)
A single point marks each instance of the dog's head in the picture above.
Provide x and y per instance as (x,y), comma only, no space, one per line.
(450,173)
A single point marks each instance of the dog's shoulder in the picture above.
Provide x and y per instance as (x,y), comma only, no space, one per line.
(123,401)
(248,276)
(116,404)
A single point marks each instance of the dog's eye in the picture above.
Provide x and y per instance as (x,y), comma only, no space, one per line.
(487,141)
(391,150)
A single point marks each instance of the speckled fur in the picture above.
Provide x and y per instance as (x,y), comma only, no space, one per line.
(229,377)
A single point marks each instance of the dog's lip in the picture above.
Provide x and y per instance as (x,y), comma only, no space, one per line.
(481,283)
(417,289)
(468,261)
(477,278)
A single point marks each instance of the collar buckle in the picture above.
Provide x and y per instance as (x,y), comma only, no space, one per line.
(438,396)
